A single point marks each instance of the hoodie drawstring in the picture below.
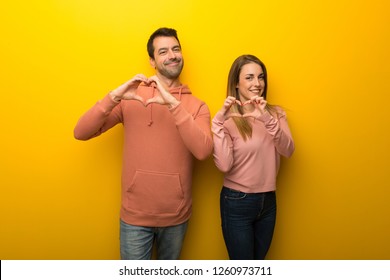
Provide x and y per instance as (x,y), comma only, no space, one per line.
(180,93)
(151,109)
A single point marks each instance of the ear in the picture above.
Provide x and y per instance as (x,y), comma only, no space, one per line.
(152,62)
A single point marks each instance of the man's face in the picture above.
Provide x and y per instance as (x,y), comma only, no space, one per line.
(168,59)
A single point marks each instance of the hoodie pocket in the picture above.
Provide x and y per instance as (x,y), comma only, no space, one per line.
(155,193)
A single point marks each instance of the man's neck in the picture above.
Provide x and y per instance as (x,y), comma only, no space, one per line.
(169,83)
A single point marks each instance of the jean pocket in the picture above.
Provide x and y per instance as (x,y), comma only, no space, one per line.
(233,194)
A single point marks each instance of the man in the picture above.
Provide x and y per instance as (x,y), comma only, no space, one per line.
(165,127)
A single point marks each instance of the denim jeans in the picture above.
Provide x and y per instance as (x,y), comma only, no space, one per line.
(248,222)
(136,242)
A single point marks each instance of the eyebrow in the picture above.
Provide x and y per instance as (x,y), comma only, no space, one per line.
(166,48)
(251,74)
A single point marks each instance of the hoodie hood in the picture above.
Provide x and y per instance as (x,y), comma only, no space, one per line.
(180,90)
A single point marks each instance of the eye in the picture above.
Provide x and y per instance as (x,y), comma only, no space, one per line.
(177,49)
(261,76)
(162,52)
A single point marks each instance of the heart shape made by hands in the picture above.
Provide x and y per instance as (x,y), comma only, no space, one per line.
(246,115)
(258,102)
(157,98)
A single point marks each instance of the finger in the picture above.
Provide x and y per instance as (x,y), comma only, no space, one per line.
(138,98)
(232,100)
(150,83)
(255,100)
(154,79)
(261,100)
(228,103)
(159,85)
(157,100)
(138,78)
(262,104)
(142,76)
(129,84)
(247,102)
(150,101)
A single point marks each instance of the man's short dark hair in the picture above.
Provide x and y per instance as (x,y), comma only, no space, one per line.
(161,32)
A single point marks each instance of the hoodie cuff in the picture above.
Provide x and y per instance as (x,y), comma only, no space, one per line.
(219,118)
(107,103)
(266,117)
(179,113)
(173,107)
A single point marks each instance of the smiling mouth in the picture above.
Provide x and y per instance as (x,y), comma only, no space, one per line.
(172,62)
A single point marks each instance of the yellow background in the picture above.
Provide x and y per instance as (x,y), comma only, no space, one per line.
(328,64)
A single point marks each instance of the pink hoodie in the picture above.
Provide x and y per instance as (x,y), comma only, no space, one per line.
(251,166)
(159,147)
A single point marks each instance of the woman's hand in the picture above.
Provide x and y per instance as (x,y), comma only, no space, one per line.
(259,104)
(229,102)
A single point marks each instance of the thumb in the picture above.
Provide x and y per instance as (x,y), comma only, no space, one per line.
(151,100)
(247,102)
(139,99)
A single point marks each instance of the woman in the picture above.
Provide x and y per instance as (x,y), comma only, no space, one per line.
(250,135)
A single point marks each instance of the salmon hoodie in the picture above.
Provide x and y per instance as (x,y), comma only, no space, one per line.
(160,145)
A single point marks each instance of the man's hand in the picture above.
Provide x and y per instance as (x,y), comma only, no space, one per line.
(164,97)
(128,89)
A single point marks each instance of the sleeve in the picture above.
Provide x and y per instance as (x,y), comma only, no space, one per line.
(195,130)
(105,114)
(223,144)
(279,130)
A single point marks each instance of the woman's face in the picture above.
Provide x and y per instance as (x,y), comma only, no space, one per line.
(251,81)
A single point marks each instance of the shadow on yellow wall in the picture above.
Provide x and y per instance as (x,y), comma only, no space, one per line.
(328,66)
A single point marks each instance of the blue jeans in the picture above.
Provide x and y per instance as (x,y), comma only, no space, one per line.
(136,242)
(248,222)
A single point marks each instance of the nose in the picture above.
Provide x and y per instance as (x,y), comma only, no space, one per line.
(171,54)
(256,81)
